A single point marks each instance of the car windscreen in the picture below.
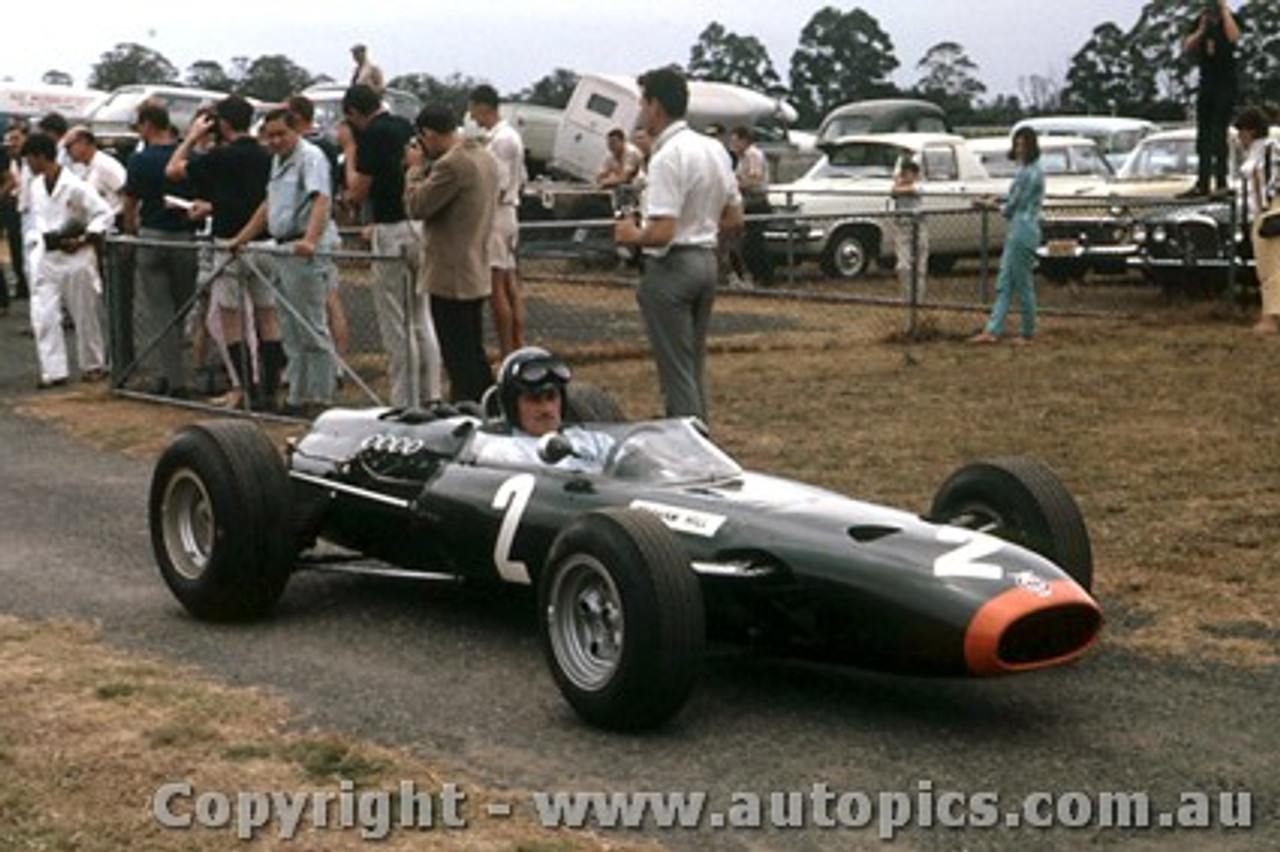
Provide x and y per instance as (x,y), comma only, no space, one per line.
(859,159)
(667,452)
(119,107)
(847,125)
(1162,157)
(122,107)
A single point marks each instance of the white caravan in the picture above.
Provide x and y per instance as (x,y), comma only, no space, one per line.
(601,102)
(34,101)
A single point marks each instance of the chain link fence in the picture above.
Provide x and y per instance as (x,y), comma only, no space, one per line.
(877,276)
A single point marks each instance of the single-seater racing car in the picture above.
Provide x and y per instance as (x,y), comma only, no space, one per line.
(636,562)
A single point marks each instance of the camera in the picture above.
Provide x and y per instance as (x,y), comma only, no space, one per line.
(72,232)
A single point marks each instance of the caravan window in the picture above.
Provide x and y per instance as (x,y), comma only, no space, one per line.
(601,105)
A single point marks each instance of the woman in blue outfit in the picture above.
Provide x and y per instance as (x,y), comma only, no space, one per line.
(1017,263)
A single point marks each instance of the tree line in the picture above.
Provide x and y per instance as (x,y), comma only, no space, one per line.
(842,56)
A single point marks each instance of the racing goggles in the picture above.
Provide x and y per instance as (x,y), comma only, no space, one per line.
(532,374)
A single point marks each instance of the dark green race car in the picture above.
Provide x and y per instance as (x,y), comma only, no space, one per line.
(637,560)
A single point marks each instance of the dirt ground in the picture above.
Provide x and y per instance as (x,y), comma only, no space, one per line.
(1164,431)
(74,713)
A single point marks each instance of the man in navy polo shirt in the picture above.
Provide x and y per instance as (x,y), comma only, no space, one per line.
(166,275)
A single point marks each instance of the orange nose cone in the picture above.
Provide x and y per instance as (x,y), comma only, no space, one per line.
(1031,626)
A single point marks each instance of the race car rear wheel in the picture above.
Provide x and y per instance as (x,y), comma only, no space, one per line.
(219,518)
(622,620)
(590,404)
(1022,500)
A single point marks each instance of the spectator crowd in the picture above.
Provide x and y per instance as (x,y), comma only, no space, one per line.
(225,239)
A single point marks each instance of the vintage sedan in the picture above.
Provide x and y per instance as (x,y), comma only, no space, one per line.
(1094,232)
(1196,249)
(841,211)
(635,562)
(1073,165)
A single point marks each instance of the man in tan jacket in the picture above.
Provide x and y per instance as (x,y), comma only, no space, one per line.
(455,198)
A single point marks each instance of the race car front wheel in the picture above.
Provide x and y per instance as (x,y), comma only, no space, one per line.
(219,519)
(1021,500)
(622,620)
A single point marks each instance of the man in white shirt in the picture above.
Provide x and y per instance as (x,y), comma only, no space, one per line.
(66,214)
(752,172)
(100,170)
(690,196)
(506,146)
(367,72)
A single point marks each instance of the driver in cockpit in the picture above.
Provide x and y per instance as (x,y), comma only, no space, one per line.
(531,392)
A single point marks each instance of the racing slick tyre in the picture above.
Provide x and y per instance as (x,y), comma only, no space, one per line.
(1021,500)
(590,404)
(219,518)
(848,253)
(622,620)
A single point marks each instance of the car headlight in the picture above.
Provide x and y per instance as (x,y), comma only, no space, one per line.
(1140,233)
(1160,233)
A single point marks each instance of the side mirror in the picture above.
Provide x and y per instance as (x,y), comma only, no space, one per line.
(554,447)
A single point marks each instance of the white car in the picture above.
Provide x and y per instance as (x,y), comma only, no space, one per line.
(1165,164)
(112,120)
(1115,135)
(842,207)
(327,98)
(1072,164)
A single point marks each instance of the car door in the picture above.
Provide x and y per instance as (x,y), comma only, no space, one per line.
(949,190)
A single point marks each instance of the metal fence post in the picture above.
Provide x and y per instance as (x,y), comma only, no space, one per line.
(1232,255)
(411,328)
(984,255)
(791,242)
(913,309)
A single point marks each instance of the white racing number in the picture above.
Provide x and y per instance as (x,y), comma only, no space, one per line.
(966,560)
(513,496)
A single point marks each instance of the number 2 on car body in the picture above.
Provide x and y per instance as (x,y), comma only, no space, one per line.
(965,560)
(512,497)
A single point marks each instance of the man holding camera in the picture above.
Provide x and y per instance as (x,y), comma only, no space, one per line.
(67,217)
(1212,44)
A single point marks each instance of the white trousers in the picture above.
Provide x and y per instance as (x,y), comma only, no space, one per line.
(66,279)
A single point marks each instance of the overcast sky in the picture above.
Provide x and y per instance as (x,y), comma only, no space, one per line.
(512,43)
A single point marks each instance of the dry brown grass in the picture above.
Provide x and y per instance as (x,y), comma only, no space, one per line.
(88,735)
(1164,433)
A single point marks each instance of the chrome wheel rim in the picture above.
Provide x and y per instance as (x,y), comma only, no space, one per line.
(585,622)
(850,258)
(189,524)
